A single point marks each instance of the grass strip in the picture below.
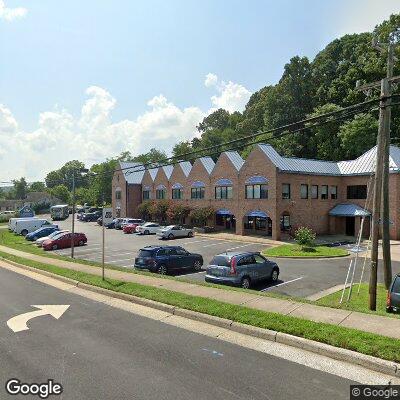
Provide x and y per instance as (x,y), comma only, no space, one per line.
(359,302)
(290,250)
(352,339)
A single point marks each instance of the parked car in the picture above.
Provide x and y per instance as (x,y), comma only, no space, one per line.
(136,221)
(100,221)
(41,232)
(241,269)
(118,224)
(131,225)
(112,224)
(25,226)
(53,235)
(90,216)
(167,259)
(174,231)
(64,241)
(393,295)
(148,228)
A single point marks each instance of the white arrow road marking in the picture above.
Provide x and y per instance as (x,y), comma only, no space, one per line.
(18,323)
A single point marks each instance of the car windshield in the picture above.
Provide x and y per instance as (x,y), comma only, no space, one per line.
(396,285)
(145,253)
(220,260)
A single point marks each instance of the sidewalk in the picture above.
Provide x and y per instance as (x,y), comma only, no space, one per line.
(369,323)
(240,238)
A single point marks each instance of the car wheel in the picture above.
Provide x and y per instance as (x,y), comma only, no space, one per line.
(245,282)
(197,265)
(24,232)
(146,232)
(55,247)
(190,234)
(81,243)
(170,236)
(162,270)
(274,275)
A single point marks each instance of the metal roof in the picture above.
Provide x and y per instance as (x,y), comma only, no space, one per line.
(131,175)
(363,165)
(153,173)
(168,170)
(349,210)
(186,167)
(235,159)
(208,163)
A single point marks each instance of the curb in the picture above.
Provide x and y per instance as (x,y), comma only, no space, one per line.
(337,353)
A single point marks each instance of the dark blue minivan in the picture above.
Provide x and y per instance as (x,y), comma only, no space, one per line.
(167,259)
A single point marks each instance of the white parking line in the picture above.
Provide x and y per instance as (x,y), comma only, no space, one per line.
(213,244)
(239,247)
(196,241)
(121,259)
(281,284)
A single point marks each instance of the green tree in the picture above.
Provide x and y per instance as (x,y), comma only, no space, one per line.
(182,148)
(20,188)
(152,156)
(358,135)
(177,213)
(62,193)
(37,187)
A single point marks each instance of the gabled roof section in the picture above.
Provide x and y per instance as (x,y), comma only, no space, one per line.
(186,167)
(153,173)
(168,170)
(133,172)
(235,159)
(208,163)
(363,165)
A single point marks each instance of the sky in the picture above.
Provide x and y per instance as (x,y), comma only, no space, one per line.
(89,79)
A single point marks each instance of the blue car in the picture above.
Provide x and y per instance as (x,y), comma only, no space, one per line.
(167,259)
(41,232)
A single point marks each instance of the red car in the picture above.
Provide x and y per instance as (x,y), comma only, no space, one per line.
(64,241)
(130,228)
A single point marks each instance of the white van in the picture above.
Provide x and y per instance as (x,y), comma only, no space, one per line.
(25,226)
(12,222)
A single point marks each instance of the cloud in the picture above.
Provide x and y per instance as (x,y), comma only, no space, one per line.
(211,80)
(232,96)
(9,14)
(92,136)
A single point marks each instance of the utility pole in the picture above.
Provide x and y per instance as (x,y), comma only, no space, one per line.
(380,211)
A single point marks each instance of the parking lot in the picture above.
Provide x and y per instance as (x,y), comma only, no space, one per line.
(298,277)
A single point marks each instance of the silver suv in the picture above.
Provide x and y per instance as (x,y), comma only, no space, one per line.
(241,269)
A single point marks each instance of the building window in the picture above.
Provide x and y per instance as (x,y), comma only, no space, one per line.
(333,192)
(197,193)
(304,191)
(314,191)
(256,192)
(285,191)
(285,223)
(146,194)
(177,194)
(118,195)
(324,192)
(160,194)
(357,192)
(223,192)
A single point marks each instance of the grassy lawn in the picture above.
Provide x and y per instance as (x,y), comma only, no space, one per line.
(359,302)
(367,343)
(291,250)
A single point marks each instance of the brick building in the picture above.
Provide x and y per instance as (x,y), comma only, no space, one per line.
(268,194)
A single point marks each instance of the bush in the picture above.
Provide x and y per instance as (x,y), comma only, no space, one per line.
(305,237)
(5,218)
(177,213)
(145,209)
(202,215)
(159,210)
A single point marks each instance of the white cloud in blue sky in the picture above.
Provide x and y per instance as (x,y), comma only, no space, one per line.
(93,136)
(9,14)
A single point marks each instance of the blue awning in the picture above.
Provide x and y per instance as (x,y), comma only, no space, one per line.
(348,210)
(198,184)
(256,180)
(224,182)
(257,213)
(177,186)
(224,211)
(161,187)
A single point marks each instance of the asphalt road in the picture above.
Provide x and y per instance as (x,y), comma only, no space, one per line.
(299,278)
(99,352)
